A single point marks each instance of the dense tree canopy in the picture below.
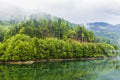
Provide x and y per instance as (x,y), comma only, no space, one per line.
(43,28)
(21,47)
(48,38)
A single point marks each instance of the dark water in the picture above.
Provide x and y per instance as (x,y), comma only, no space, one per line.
(72,70)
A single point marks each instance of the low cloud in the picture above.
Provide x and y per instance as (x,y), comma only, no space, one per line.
(78,11)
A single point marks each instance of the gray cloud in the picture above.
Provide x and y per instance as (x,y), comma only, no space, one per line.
(78,11)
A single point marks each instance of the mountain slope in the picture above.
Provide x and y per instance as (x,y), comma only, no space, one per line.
(49,38)
(106,31)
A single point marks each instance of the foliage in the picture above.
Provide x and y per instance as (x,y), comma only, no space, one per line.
(43,28)
(48,38)
(21,47)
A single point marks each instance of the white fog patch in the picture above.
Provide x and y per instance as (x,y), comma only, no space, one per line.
(77,11)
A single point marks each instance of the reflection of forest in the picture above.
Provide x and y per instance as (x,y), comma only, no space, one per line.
(72,70)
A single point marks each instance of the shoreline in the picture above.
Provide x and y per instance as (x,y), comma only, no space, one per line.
(48,60)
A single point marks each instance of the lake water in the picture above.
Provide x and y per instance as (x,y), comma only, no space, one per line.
(69,70)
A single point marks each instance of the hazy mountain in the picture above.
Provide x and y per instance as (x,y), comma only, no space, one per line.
(106,31)
(99,24)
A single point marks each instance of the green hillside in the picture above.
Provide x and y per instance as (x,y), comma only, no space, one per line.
(106,32)
(46,38)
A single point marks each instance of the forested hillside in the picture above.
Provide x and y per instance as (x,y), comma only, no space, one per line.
(46,38)
(106,32)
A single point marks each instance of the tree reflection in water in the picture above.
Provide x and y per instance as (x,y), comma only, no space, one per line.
(70,70)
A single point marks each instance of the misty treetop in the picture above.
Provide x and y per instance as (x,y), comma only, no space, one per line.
(46,38)
(42,28)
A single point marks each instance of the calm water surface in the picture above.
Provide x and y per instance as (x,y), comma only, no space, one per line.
(70,70)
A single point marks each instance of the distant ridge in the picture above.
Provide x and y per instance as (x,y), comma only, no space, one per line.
(107,31)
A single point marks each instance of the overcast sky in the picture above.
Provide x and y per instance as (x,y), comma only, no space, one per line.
(77,11)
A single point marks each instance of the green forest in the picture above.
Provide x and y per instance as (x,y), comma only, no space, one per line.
(49,38)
